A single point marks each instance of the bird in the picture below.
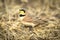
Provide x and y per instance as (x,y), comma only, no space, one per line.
(25,19)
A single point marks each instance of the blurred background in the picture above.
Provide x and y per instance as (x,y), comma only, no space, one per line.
(10,26)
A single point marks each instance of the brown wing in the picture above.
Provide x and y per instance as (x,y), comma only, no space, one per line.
(28,19)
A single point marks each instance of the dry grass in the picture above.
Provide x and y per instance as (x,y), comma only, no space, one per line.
(49,28)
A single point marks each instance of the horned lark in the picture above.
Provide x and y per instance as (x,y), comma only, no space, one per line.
(25,19)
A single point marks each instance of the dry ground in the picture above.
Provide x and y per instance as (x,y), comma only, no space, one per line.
(11,29)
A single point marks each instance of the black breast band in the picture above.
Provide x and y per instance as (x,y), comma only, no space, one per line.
(21,15)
